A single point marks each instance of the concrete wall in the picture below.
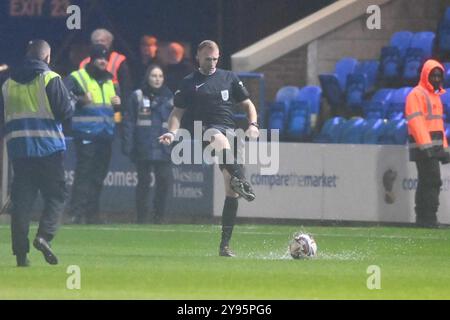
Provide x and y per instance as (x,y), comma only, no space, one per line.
(302,66)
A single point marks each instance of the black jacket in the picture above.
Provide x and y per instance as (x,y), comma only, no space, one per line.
(143,123)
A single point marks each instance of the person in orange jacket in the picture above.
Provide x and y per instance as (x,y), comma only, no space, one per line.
(427,141)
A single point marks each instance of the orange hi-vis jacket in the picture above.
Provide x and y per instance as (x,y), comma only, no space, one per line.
(424,113)
(114,62)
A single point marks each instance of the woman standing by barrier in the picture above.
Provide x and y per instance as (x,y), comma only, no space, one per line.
(145,119)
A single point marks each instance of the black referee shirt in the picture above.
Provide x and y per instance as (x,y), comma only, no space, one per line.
(210,98)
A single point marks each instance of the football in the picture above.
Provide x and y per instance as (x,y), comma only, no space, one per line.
(302,246)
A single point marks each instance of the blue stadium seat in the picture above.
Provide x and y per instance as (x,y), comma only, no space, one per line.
(287,94)
(334,84)
(402,41)
(277,117)
(443,33)
(447,130)
(447,74)
(445,99)
(360,82)
(392,56)
(330,132)
(420,50)
(376,108)
(374,130)
(312,94)
(396,132)
(425,41)
(447,14)
(352,131)
(396,107)
(299,120)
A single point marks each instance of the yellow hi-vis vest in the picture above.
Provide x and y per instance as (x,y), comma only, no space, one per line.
(96,120)
(30,126)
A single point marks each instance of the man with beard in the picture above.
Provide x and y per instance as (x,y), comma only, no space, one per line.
(93,130)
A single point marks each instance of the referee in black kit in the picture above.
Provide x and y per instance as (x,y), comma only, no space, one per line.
(208,94)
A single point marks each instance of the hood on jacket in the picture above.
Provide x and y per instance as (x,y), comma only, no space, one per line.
(424,75)
(29,70)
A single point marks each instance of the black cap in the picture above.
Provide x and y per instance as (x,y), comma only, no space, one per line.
(98,51)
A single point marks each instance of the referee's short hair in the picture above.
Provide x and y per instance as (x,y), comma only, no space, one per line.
(207,44)
(38,49)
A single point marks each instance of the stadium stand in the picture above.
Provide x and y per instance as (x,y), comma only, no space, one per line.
(395,132)
(391,60)
(374,130)
(421,49)
(334,84)
(443,34)
(396,106)
(330,132)
(352,131)
(445,98)
(360,84)
(377,106)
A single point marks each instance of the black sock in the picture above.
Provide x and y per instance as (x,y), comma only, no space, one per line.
(230,164)
(228,218)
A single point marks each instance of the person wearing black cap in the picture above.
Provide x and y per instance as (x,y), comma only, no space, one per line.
(93,128)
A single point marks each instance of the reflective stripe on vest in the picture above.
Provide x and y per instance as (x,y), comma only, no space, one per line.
(430,115)
(144,123)
(27,100)
(114,63)
(34,134)
(28,115)
(101,95)
(95,120)
(88,119)
(140,99)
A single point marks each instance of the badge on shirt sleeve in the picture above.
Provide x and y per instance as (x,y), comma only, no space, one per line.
(225,95)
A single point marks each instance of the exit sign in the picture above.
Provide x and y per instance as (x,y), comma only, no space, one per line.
(38,8)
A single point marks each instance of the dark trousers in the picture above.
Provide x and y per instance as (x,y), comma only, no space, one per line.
(427,192)
(90,172)
(162,171)
(33,175)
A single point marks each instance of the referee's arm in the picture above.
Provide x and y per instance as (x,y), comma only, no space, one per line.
(252,116)
(248,106)
(173,125)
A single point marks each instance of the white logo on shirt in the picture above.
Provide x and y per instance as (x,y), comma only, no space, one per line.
(225,95)
(200,85)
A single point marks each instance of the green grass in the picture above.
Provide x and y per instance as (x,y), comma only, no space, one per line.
(182,262)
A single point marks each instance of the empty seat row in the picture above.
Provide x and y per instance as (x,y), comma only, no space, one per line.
(349,82)
(443,33)
(403,58)
(387,104)
(295,111)
(362,131)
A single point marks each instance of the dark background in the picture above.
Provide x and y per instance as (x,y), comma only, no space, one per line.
(235,24)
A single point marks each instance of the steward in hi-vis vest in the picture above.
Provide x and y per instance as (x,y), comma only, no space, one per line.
(95,119)
(31,129)
(35,103)
(93,129)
